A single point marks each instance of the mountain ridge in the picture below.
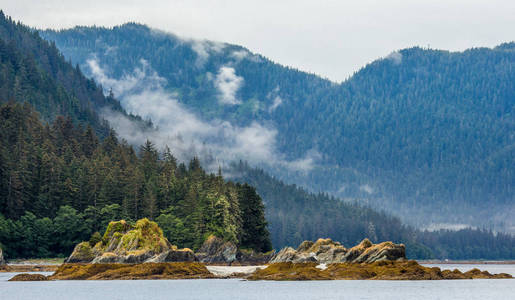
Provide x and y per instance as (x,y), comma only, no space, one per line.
(416,133)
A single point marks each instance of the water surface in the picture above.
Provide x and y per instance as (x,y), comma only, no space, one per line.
(240,289)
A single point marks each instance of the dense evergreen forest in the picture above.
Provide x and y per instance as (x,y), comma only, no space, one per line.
(59,184)
(33,70)
(417,133)
(295,215)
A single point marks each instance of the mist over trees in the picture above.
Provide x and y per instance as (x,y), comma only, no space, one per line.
(417,133)
(59,184)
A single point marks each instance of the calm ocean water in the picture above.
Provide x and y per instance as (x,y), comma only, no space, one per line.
(240,289)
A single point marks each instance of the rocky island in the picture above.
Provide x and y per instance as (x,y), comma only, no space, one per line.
(140,251)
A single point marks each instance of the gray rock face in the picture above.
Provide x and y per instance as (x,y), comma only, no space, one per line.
(216,250)
(2,261)
(174,256)
(327,251)
(289,254)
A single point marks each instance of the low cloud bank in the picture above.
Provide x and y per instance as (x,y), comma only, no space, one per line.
(142,92)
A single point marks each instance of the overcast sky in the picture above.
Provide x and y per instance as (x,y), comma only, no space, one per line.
(329,38)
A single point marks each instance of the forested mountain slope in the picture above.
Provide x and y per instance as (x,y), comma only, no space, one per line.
(33,70)
(295,215)
(426,134)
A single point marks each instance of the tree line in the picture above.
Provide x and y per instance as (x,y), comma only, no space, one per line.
(59,184)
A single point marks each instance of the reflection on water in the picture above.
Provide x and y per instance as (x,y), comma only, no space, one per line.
(240,289)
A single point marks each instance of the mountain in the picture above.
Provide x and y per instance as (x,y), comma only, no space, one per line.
(34,71)
(425,134)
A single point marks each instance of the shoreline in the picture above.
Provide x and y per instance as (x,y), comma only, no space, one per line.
(465,262)
(384,270)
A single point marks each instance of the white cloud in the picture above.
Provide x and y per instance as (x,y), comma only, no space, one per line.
(366,188)
(142,93)
(228,84)
(395,57)
(277,101)
(204,48)
(240,54)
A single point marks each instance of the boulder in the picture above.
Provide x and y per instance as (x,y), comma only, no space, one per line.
(216,250)
(327,251)
(175,255)
(82,253)
(133,244)
(380,252)
(253,258)
(289,254)
(2,261)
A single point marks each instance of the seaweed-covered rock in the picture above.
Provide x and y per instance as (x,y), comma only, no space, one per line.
(29,277)
(177,270)
(134,244)
(2,261)
(328,251)
(380,270)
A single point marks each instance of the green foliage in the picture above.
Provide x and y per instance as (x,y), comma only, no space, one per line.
(95,239)
(56,192)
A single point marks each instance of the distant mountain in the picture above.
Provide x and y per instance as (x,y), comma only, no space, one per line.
(427,134)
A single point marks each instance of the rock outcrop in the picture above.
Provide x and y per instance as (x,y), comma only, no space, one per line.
(175,270)
(124,243)
(2,261)
(29,277)
(380,270)
(217,251)
(327,251)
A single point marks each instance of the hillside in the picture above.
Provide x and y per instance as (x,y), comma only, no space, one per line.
(34,71)
(59,184)
(417,133)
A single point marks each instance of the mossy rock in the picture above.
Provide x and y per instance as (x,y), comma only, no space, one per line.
(83,252)
(116,226)
(126,243)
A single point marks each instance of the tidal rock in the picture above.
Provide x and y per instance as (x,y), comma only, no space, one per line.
(29,277)
(289,254)
(380,252)
(216,250)
(82,253)
(175,255)
(251,257)
(133,244)
(327,251)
